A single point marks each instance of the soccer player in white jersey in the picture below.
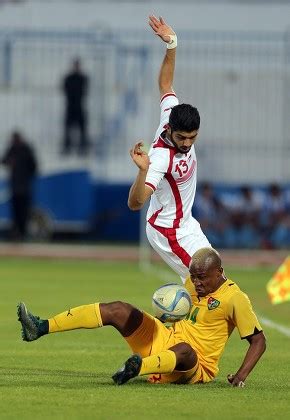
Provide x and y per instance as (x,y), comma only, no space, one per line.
(167,174)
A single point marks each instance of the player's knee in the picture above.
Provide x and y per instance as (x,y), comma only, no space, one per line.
(115,312)
(118,309)
(121,315)
(186,357)
(185,350)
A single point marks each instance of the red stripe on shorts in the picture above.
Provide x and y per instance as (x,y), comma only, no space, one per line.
(170,234)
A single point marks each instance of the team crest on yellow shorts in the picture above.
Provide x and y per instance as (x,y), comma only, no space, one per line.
(212,303)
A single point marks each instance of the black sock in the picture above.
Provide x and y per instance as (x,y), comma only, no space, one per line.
(43,327)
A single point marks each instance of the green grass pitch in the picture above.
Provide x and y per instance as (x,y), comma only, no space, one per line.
(68,375)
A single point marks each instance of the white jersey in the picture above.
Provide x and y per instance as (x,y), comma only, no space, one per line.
(171,175)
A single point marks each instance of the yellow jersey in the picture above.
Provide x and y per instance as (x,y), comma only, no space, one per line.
(212,319)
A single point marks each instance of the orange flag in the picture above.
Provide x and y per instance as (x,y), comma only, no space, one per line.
(279,286)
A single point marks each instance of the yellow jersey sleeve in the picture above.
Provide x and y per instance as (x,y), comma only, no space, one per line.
(241,313)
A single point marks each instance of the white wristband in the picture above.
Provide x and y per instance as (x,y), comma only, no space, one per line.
(172,43)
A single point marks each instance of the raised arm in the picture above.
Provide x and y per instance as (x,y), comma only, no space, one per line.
(166,33)
(140,192)
(255,351)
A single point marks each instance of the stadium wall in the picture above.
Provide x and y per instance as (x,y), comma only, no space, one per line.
(73,202)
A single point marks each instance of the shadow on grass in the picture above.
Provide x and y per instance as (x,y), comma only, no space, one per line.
(72,379)
(23,371)
(28,377)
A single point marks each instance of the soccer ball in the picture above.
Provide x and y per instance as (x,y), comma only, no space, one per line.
(171,303)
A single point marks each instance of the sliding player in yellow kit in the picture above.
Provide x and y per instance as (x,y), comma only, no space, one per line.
(186,352)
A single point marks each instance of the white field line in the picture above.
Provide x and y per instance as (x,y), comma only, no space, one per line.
(165,275)
(168,276)
(275,326)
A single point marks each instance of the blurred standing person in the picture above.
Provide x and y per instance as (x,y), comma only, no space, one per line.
(75,89)
(21,163)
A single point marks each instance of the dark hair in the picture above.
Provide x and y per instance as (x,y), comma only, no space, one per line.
(184,117)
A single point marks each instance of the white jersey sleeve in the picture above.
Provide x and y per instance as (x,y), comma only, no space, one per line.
(159,162)
(167,102)
(159,157)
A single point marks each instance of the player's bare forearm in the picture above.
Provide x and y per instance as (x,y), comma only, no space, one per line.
(167,34)
(139,193)
(137,196)
(255,351)
(166,74)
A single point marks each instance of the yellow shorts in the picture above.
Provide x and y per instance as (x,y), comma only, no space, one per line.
(152,337)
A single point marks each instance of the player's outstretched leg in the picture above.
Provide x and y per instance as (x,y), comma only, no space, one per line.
(32,326)
(130,369)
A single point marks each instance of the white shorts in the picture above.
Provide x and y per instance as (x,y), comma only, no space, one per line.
(176,246)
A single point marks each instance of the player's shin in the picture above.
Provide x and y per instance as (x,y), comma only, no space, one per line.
(86,316)
(163,362)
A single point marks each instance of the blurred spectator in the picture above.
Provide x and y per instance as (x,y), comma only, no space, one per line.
(250,205)
(275,219)
(75,88)
(20,160)
(211,215)
(245,219)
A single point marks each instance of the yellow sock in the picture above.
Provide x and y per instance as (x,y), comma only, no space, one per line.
(164,362)
(86,316)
